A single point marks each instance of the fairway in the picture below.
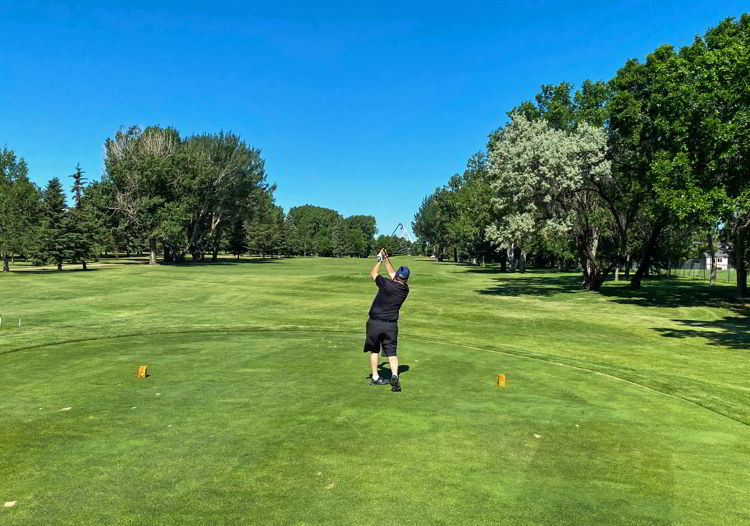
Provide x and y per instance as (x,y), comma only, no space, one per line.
(620,408)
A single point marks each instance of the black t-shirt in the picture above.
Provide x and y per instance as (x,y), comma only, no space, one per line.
(391,295)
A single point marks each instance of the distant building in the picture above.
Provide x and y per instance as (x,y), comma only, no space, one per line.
(722,261)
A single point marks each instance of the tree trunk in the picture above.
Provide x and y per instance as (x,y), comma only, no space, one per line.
(84,265)
(648,251)
(59,264)
(739,256)
(712,251)
(628,264)
(6,267)
(522,262)
(455,255)
(152,251)
(215,254)
(596,278)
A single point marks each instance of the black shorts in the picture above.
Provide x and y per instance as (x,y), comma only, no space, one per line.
(381,333)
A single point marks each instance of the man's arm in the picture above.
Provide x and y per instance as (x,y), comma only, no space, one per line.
(389,268)
(375,272)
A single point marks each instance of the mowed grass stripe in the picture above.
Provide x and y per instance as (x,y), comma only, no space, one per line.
(245,431)
(539,314)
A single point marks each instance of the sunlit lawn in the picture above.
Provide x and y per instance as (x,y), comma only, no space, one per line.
(625,407)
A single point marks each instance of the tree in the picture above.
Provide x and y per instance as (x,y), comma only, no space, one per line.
(266,229)
(471,195)
(237,239)
(314,227)
(141,166)
(19,207)
(361,232)
(82,224)
(54,237)
(394,245)
(293,241)
(79,183)
(110,229)
(660,149)
(227,177)
(432,219)
(184,194)
(543,183)
(341,238)
(719,66)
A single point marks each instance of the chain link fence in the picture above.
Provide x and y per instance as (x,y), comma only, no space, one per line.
(698,270)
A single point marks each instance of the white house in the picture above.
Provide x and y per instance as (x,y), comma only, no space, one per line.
(722,261)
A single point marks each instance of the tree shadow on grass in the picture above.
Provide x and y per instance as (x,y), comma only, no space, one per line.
(51,272)
(733,330)
(671,293)
(224,261)
(538,284)
(730,331)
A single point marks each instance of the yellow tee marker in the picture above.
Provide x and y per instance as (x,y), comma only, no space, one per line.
(142,371)
(500,380)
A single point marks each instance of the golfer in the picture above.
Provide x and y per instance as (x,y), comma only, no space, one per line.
(382,327)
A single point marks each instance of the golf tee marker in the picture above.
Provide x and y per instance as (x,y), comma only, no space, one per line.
(142,371)
(500,380)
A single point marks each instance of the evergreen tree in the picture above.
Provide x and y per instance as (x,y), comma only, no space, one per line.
(237,240)
(82,234)
(79,182)
(340,238)
(54,239)
(292,242)
(19,207)
(82,223)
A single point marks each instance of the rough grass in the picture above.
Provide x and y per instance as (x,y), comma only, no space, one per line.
(622,407)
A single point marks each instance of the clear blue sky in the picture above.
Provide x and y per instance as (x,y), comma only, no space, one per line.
(360,107)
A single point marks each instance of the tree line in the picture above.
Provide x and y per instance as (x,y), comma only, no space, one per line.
(639,171)
(172,197)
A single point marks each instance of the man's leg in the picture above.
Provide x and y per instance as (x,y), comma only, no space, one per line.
(372,345)
(374,361)
(393,362)
(390,345)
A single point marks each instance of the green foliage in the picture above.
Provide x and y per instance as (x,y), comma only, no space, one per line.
(55,240)
(432,220)
(314,229)
(19,207)
(184,193)
(677,141)
(236,242)
(544,187)
(79,183)
(265,232)
(395,245)
(361,230)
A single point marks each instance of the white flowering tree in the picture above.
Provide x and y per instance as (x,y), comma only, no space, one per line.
(544,183)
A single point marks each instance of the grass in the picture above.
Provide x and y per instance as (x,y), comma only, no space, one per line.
(625,407)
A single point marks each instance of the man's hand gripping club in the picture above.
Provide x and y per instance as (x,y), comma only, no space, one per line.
(382,256)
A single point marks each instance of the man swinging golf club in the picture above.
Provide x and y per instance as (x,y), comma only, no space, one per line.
(382,327)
